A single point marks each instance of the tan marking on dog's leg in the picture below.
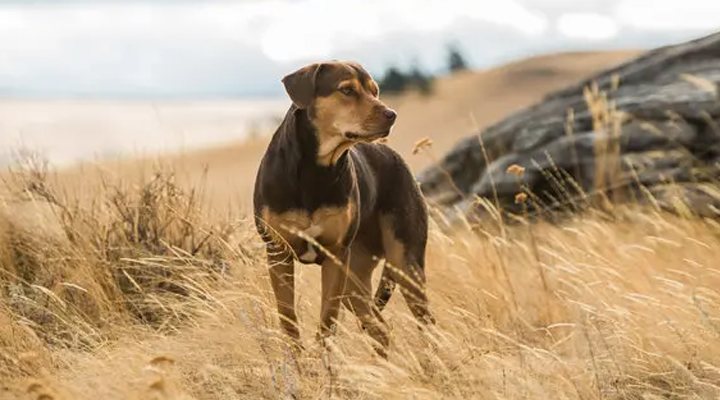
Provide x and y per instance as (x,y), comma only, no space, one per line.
(410,277)
(334,278)
(282,279)
(385,289)
(358,298)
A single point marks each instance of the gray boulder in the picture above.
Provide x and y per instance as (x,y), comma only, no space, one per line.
(648,124)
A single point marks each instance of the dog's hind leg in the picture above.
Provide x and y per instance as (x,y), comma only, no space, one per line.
(406,266)
(412,286)
(385,289)
(358,298)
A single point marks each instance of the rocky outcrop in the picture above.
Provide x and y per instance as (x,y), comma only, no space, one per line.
(646,130)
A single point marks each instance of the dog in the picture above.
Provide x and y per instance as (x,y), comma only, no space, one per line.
(327,194)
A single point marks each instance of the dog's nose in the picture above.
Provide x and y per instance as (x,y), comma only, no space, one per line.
(390,114)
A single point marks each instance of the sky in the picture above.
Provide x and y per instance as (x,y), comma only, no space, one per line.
(164,48)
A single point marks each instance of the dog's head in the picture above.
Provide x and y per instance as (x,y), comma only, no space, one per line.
(342,101)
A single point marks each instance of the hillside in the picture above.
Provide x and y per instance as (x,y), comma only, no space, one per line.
(469,101)
(460,104)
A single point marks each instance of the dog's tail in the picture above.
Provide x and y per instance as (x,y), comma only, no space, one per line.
(385,289)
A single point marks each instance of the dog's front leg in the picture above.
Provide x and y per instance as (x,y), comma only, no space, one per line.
(334,278)
(282,279)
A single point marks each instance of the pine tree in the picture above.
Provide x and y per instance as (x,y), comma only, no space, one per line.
(394,81)
(456,61)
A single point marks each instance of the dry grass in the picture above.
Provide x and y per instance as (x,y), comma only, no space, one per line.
(139,291)
(134,298)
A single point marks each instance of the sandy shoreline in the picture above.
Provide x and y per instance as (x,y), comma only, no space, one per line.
(67,131)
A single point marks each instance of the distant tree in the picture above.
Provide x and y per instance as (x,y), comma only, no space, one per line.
(455,59)
(397,81)
(394,81)
(419,79)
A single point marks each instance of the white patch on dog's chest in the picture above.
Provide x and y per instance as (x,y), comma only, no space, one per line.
(312,232)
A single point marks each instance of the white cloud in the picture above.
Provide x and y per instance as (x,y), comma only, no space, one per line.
(315,28)
(285,30)
(669,15)
(311,28)
(150,44)
(587,26)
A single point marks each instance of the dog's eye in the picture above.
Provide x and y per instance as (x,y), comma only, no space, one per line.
(347,91)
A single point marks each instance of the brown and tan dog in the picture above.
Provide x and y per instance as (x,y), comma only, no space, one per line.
(326,194)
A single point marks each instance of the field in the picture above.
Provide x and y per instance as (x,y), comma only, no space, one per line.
(145,280)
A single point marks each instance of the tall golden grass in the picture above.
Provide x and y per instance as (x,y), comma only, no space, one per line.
(142,292)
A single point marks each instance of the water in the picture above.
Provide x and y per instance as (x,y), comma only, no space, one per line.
(65,131)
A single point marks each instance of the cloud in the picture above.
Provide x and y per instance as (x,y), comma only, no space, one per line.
(284,30)
(127,49)
(166,47)
(317,28)
(224,47)
(587,26)
(669,15)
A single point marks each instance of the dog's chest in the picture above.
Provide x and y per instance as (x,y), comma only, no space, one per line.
(328,226)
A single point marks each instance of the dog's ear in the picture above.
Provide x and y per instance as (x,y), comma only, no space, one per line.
(300,85)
